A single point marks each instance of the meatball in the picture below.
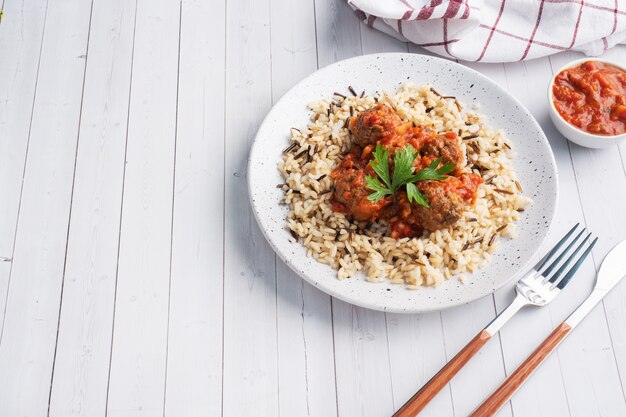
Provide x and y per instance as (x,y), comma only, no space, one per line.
(352,194)
(374,124)
(446,206)
(440,146)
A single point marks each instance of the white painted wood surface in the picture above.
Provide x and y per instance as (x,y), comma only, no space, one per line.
(134,281)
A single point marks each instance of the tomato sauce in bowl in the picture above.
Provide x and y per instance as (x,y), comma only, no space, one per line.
(592,97)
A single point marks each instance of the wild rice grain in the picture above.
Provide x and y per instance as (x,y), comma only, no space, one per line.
(435,92)
(301,154)
(500,190)
(352,90)
(289,148)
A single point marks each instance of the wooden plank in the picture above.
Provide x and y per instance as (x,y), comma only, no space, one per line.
(597,383)
(138,358)
(363,376)
(364,385)
(306,371)
(250,345)
(28,339)
(338,32)
(81,370)
(194,365)
(305,348)
(375,41)
(21,35)
(293,48)
(416,353)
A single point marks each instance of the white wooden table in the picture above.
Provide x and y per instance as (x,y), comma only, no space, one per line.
(134,280)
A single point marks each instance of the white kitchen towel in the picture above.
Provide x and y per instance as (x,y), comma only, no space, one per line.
(499,30)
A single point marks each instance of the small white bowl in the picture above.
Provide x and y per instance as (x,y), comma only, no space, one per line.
(570,131)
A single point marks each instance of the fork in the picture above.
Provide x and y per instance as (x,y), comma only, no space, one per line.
(538,287)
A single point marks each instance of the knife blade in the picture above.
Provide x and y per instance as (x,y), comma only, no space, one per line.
(612,270)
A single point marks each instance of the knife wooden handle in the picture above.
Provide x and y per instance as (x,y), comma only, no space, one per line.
(437,382)
(500,396)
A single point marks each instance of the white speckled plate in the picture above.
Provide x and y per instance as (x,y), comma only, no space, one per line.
(533,161)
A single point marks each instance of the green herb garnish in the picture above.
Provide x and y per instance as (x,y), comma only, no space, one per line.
(403,174)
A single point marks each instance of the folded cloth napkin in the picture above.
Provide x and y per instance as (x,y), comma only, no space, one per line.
(499,30)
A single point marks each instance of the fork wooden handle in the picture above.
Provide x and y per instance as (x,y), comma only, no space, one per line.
(436,383)
(500,396)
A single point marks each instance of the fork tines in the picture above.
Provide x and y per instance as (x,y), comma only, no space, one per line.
(565,257)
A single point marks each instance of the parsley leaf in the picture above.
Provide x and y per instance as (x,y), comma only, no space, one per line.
(403,166)
(378,187)
(403,174)
(380,164)
(431,172)
(415,196)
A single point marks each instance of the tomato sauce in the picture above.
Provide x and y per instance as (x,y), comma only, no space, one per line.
(447,198)
(592,97)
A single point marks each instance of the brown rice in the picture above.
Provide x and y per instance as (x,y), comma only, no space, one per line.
(350,246)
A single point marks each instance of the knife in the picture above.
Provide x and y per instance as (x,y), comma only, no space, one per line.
(611,272)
